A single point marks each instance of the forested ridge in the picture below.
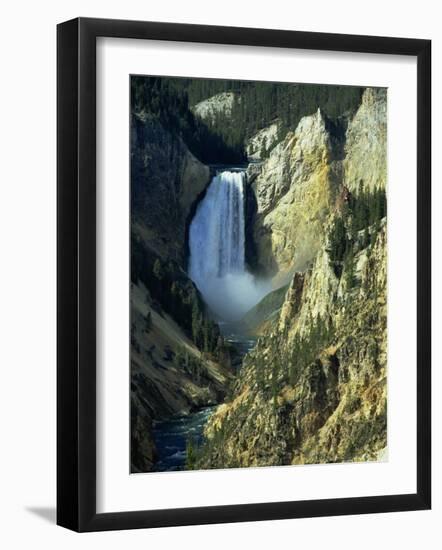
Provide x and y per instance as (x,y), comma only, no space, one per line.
(256,104)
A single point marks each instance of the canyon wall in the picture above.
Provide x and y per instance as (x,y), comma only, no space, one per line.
(294,191)
(366,143)
(313,390)
(166,181)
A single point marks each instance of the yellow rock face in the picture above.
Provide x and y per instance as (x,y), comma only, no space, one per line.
(298,183)
(294,192)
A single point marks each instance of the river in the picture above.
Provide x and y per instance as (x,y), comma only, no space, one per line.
(171,435)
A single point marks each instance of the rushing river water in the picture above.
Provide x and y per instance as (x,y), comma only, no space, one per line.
(242,343)
(171,437)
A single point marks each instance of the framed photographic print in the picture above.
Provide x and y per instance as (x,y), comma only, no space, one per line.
(243,274)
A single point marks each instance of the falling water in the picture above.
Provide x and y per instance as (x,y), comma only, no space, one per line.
(217,266)
(217,245)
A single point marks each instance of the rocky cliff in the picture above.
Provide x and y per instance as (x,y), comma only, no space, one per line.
(166,181)
(366,152)
(217,105)
(296,186)
(262,142)
(313,390)
(294,192)
(172,371)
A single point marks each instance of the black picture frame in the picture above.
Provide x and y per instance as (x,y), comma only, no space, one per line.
(76,274)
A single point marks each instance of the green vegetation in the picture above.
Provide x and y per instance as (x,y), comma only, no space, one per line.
(305,349)
(256,105)
(194,366)
(166,100)
(339,245)
(191,455)
(366,208)
(202,334)
(158,270)
(176,295)
(355,230)
(148,321)
(285,363)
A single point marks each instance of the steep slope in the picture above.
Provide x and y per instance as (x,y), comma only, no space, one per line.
(256,319)
(166,180)
(366,152)
(313,390)
(262,142)
(169,374)
(294,191)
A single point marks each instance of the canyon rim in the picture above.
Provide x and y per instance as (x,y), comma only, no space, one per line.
(258,274)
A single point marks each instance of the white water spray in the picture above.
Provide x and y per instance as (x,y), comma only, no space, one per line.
(217,244)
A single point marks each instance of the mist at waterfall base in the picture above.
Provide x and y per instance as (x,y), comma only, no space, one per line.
(217,250)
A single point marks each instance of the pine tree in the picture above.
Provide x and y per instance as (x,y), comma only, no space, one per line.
(186,361)
(337,245)
(263,152)
(206,335)
(349,269)
(366,238)
(148,321)
(158,270)
(196,324)
(274,386)
(190,455)
(178,359)
(256,105)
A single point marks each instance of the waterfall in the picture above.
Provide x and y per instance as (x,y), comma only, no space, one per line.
(217,246)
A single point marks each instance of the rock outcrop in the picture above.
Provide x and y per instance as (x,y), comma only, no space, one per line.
(294,192)
(219,104)
(297,185)
(366,152)
(166,181)
(262,142)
